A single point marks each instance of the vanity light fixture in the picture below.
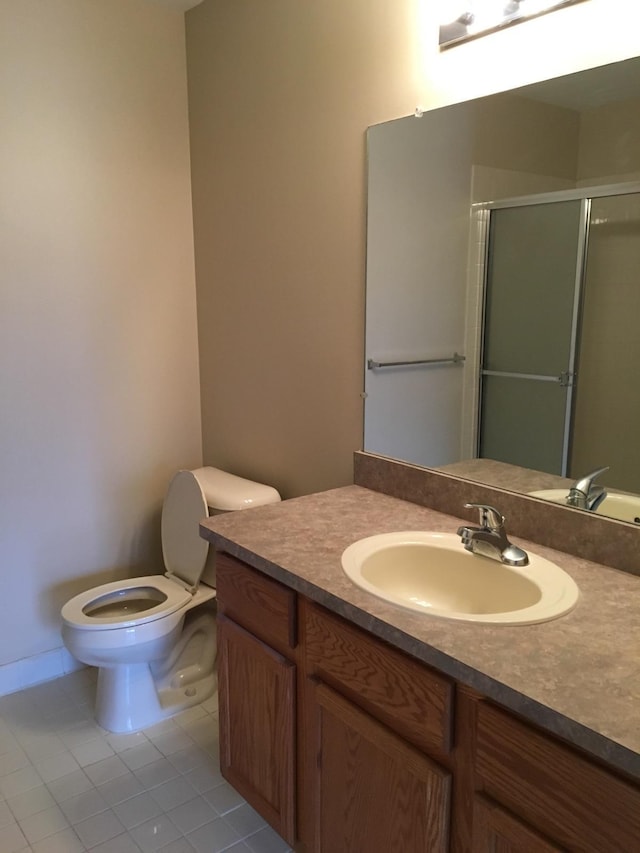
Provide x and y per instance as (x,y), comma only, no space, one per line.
(512,8)
(469,19)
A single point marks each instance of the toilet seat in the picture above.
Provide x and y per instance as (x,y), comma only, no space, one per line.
(170,596)
(134,602)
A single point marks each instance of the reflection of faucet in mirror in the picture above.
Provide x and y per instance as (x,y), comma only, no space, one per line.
(585,494)
(490,539)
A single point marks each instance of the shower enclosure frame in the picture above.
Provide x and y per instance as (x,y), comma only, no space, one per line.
(480,221)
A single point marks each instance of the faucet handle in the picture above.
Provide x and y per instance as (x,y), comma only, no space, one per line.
(490,517)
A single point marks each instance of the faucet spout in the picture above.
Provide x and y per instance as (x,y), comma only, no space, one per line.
(490,538)
(585,493)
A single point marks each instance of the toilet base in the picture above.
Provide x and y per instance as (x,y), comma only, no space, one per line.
(131,697)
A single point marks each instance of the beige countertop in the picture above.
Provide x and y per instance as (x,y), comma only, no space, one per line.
(506,476)
(577,676)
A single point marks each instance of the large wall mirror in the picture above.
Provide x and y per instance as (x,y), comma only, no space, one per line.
(503,289)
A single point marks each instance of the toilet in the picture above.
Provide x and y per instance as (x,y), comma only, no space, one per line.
(153,638)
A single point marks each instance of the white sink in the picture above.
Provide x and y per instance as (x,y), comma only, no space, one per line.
(432,573)
(622,507)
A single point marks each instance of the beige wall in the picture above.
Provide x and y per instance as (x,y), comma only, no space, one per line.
(523,135)
(281,93)
(615,155)
(98,354)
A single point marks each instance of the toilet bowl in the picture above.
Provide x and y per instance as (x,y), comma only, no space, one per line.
(153,638)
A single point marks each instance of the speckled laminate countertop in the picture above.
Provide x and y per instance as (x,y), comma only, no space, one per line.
(577,676)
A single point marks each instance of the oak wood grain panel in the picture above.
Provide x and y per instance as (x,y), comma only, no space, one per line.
(257,725)
(463,793)
(258,603)
(306,745)
(556,790)
(375,793)
(497,831)
(400,691)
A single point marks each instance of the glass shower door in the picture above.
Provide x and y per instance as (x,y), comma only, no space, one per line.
(532,301)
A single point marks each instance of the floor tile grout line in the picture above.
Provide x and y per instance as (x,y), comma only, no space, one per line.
(24,725)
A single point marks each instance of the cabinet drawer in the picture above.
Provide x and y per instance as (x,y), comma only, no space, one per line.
(497,831)
(554,788)
(258,603)
(411,699)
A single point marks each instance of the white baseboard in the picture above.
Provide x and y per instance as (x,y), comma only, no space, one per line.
(36,669)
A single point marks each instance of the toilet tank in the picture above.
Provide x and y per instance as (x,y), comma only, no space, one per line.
(226,492)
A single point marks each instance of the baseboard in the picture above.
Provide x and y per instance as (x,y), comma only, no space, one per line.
(35,669)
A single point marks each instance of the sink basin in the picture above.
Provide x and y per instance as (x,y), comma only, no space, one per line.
(622,507)
(432,573)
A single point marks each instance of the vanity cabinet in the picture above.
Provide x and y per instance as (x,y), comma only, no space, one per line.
(257,691)
(345,744)
(374,716)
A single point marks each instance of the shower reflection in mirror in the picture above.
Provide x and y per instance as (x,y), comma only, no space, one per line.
(559,349)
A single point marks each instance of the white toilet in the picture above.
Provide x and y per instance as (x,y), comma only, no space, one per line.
(153,637)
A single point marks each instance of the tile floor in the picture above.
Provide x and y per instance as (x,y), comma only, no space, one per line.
(67,785)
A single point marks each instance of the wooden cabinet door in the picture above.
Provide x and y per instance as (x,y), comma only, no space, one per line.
(257,733)
(496,831)
(374,792)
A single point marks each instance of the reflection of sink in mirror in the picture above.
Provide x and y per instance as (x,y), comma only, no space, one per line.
(433,574)
(622,507)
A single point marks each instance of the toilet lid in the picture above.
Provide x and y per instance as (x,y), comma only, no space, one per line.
(184,550)
(122,604)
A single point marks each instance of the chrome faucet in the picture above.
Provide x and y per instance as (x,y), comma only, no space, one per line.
(585,494)
(490,539)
